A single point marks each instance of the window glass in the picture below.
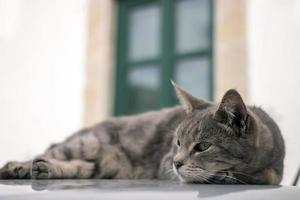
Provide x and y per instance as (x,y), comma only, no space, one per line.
(143,88)
(192,25)
(144,32)
(194,76)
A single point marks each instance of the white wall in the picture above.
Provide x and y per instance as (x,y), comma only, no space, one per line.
(274,69)
(42,49)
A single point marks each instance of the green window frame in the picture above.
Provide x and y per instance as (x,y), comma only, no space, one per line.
(167,58)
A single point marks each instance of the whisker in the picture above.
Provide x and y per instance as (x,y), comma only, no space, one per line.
(236,179)
(230,177)
(198,174)
(244,174)
(241,173)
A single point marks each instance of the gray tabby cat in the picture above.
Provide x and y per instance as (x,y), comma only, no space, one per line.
(199,142)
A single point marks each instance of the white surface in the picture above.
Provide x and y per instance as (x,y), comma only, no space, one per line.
(41,75)
(139,189)
(9,18)
(274,69)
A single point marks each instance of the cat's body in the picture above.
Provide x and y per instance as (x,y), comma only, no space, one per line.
(144,147)
(128,147)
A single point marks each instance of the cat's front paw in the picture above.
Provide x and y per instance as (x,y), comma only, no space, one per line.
(41,168)
(15,170)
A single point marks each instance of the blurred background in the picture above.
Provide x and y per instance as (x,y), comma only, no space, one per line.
(66,64)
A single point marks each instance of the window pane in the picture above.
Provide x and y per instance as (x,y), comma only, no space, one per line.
(192,25)
(194,76)
(143,88)
(144,32)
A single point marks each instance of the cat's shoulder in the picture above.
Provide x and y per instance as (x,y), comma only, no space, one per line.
(259,111)
(149,117)
(264,117)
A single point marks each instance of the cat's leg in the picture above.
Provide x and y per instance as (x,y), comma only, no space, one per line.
(268,176)
(16,170)
(112,163)
(46,168)
(49,168)
(166,171)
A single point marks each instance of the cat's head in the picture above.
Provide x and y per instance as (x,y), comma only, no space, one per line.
(213,139)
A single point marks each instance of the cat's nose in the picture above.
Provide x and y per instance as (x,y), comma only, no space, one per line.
(178,164)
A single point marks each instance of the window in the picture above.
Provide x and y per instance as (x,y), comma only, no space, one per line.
(159,40)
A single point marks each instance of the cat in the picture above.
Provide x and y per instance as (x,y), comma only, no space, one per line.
(196,142)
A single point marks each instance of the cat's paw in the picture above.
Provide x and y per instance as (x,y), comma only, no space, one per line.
(15,170)
(41,168)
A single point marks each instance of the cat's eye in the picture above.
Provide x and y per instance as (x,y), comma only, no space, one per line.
(202,146)
(178,143)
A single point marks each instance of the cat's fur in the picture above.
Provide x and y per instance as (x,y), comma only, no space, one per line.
(203,143)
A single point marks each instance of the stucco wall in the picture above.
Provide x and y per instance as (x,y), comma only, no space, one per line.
(273,29)
(42,59)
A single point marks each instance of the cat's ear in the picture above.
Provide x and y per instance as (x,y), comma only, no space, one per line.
(188,101)
(232,110)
